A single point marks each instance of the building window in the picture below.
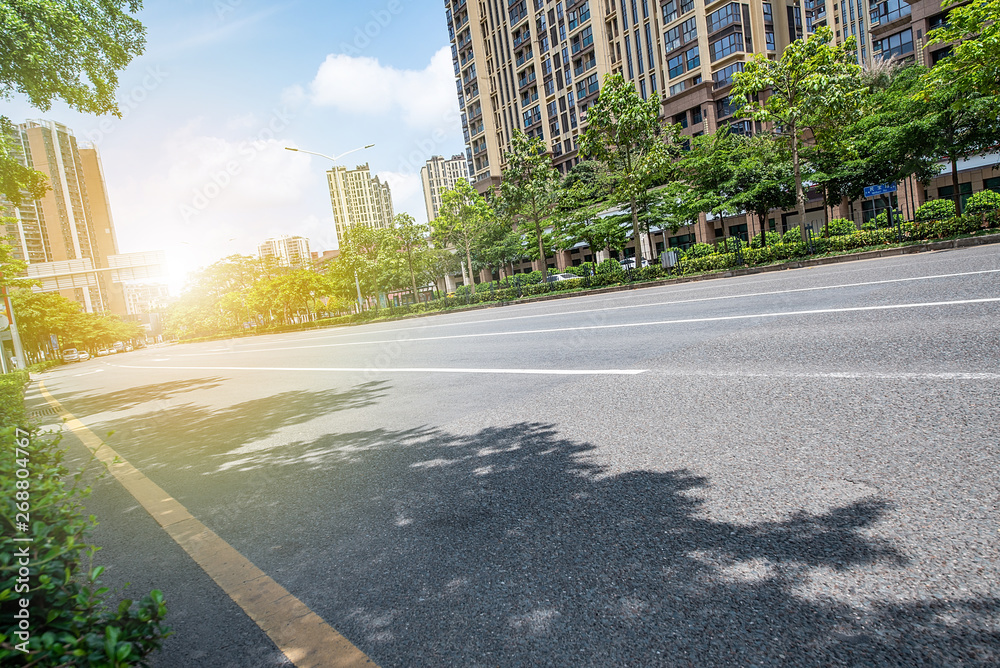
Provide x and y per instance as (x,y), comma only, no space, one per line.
(686,6)
(894,45)
(727,45)
(669,11)
(721,18)
(675,66)
(693,59)
(890,10)
(689,30)
(724,77)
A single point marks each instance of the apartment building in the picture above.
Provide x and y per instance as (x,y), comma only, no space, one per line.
(537,65)
(289,251)
(72,222)
(439,175)
(358,198)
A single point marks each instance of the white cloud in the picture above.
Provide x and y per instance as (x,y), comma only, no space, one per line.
(360,85)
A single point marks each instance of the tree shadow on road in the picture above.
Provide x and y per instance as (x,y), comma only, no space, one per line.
(88,404)
(512,547)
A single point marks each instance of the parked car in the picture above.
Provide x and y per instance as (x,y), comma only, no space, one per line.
(84,356)
(70,355)
(119,347)
(103,352)
(128,347)
(555,278)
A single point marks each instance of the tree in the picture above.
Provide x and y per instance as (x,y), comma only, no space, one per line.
(412,238)
(761,178)
(463,216)
(71,51)
(625,133)
(40,314)
(815,79)
(369,254)
(973,65)
(530,185)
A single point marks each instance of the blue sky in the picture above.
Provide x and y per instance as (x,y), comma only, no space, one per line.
(197,166)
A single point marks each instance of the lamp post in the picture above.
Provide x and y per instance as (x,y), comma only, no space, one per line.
(334,159)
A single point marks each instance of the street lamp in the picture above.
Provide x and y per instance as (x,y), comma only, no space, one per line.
(334,159)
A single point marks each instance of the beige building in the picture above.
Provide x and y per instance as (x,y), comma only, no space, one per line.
(289,251)
(73,221)
(537,66)
(439,175)
(358,198)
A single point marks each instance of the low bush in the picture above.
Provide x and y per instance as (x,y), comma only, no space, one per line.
(39,367)
(699,250)
(935,209)
(839,227)
(983,202)
(52,608)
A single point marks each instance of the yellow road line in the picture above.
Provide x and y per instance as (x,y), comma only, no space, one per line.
(301,634)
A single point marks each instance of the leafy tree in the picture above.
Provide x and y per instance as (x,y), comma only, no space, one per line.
(814,80)
(761,178)
(71,51)
(973,65)
(529,185)
(372,255)
(412,237)
(626,134)
(464,213)
(40,314)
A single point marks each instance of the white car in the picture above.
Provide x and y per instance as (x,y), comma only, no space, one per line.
(555,278)
(84,356)
(70,355)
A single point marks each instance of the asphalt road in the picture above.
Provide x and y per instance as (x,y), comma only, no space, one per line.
(785,469)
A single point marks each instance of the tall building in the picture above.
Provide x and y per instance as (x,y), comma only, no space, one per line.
(439,175)
(73,221)
(358,198)
(145,297)
(289,251)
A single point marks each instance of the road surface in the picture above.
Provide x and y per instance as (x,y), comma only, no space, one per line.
(796,468)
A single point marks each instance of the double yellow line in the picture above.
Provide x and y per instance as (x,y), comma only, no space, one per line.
(301,634)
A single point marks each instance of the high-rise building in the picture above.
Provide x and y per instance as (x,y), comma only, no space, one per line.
(439,175)
(289,251)
(358,198)
(72,221)
(145,297)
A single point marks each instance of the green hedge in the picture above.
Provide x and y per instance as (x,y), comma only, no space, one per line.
(52,606)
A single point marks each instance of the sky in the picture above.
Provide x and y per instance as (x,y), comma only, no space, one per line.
(196,166)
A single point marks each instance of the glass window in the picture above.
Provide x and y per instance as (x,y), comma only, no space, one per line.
(727,45)
(669,11)
(689,30)
(675,66)
(724,77)
(722,17)
(693,59)
(686,6)
(672,39)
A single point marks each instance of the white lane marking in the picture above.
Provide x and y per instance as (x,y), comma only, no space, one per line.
(598,310)
(89,373)
(850,375)
(375,371)
(654,323)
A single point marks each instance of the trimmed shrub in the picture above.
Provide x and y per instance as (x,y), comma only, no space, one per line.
(839,227)
(609,266)
(772,238)
(793,235)
(699,250)
(985,205)
(936,209)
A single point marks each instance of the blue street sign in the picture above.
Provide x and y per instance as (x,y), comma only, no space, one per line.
(881,189)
